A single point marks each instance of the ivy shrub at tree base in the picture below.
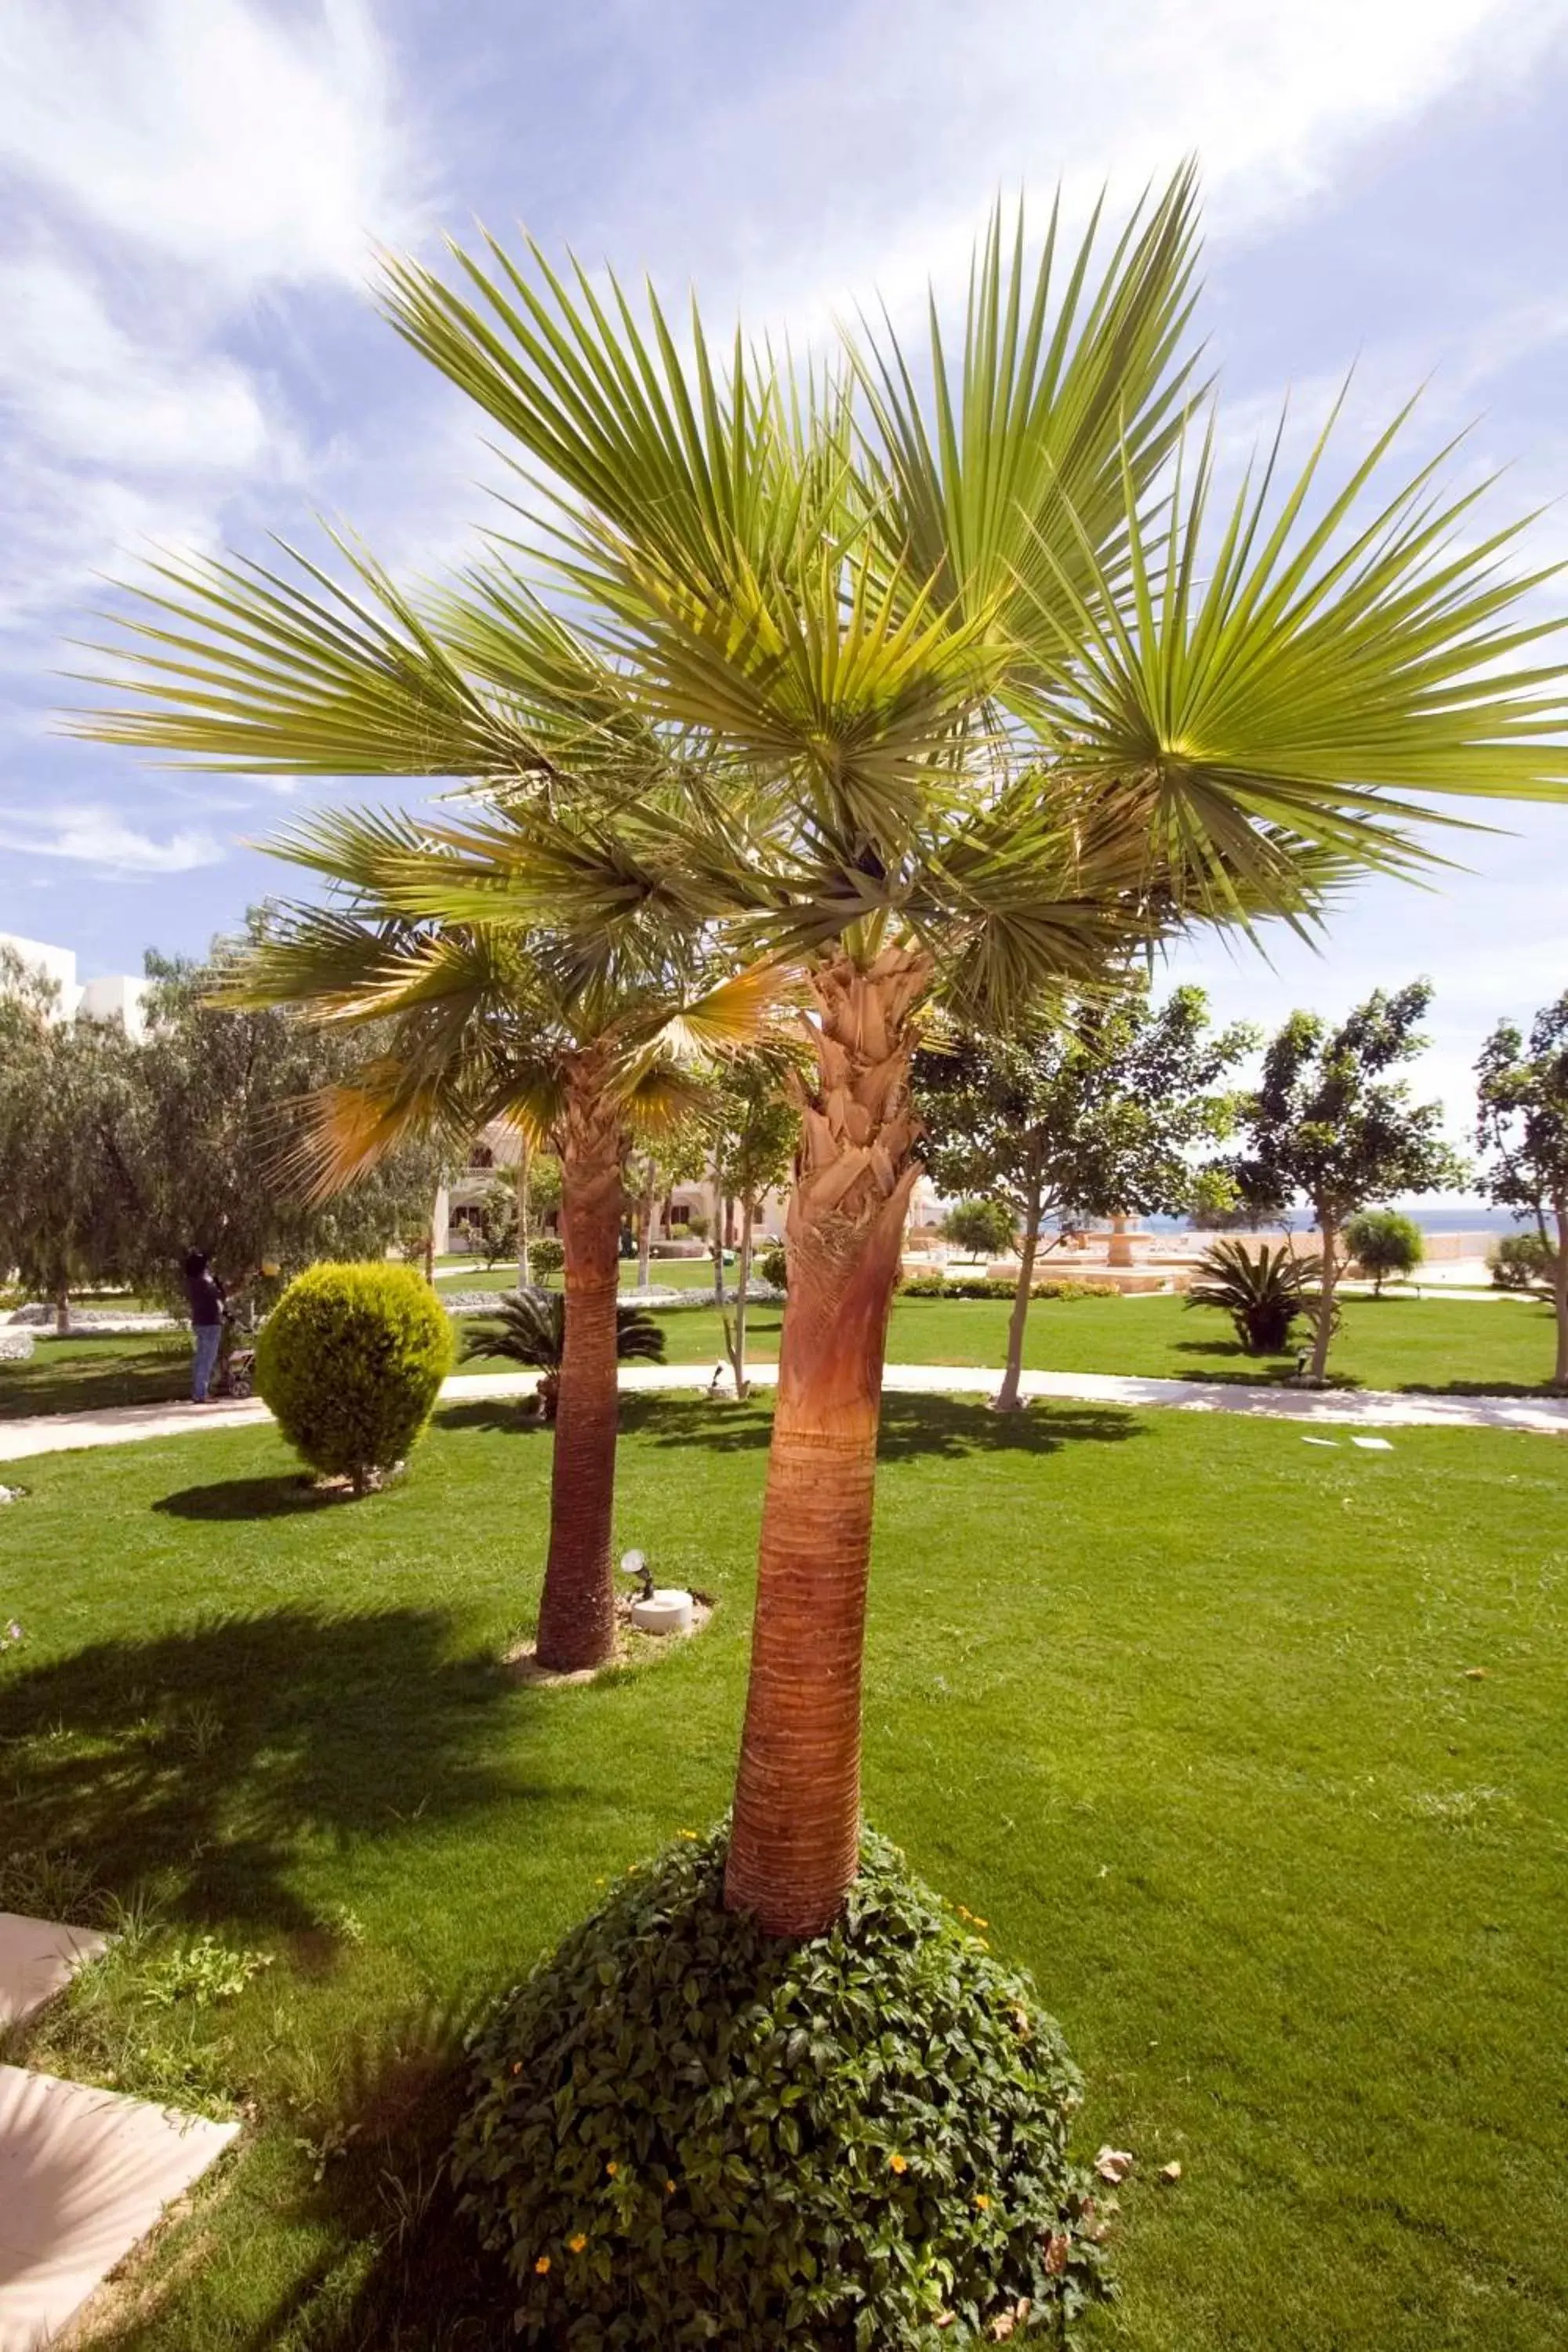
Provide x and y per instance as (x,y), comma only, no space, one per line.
(351,1362)
(684,2132)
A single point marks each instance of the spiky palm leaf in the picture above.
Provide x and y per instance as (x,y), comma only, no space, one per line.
(1263,1291)
(952,683)
(529,1328)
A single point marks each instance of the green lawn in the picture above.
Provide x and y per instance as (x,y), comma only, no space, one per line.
(1180,1706)
(1446,1344)
(1455,1345)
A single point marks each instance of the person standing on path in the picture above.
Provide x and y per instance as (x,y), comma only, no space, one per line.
(206,1297)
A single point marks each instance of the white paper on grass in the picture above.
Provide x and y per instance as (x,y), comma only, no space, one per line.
(1373,1444)
(1319,1441)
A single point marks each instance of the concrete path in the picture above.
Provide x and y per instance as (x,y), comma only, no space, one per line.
(1352,1408)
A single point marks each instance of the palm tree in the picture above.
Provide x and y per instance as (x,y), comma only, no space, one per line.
(580,1046)
(531,1329)
(1011,698)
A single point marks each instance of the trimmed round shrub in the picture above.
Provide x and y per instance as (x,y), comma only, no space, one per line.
(684,2132)
(773,1265)
(350,1361)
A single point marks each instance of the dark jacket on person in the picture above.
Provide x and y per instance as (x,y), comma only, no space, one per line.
(205,1292)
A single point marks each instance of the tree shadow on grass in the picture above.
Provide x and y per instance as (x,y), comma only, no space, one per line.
(942,1427)
(250,1498)
(515,1416)
(953,1427)
(199,1762)
(91,1376)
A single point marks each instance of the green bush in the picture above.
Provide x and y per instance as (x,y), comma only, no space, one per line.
(1521,1262)
(772,1265)
(980,1228)
(1383,1242)
(684,2132)
(546,1257)
(984,1285)
(350,1361)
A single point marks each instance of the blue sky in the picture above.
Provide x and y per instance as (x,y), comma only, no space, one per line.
(190,356)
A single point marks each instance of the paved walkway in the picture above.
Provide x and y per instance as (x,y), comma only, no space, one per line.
(1353,1408)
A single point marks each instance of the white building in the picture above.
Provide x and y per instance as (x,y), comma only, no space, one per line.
(116,997)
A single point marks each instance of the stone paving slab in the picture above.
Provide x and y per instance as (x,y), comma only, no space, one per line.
(84,2175)
(1547,1416)
(38,1958)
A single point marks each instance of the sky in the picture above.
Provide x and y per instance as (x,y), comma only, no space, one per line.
(192,357)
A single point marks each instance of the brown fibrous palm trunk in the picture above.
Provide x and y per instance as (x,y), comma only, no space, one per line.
(794,1844)
(577,1608)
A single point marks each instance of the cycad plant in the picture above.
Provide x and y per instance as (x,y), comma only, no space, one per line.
(529,1328)
(994,692)
(1263,1290)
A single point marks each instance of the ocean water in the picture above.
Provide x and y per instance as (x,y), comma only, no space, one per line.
(1461,1218)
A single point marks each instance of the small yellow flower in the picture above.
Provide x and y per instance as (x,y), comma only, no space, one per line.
(982,2204)
(687,1834)
(542,2266)
(965,1912)
(979,1921)
(670,2188)
(517,2067)
(576,2245)
(612,2169)
(897,2163)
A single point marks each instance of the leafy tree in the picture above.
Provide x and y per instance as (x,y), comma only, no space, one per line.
(538,1191)
(936,673)
(1327,1125)
(1213,1203)
(1382,1243)
(755,1131)
(67,1202)
(496,1219)
(221,1111)
(1073,1120)
(1523,1128)
(980,1228)
(1522,1262)
(679,1158)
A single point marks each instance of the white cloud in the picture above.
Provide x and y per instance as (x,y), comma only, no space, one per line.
(217,133)
(86,389)
(100,838)
(868,163)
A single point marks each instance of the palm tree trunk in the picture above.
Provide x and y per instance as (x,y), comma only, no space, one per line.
(1007,1394)
(62,1310)
(1560,1291)
(1328,1232)
(794,1844)
(524,1236)
(577,1608)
